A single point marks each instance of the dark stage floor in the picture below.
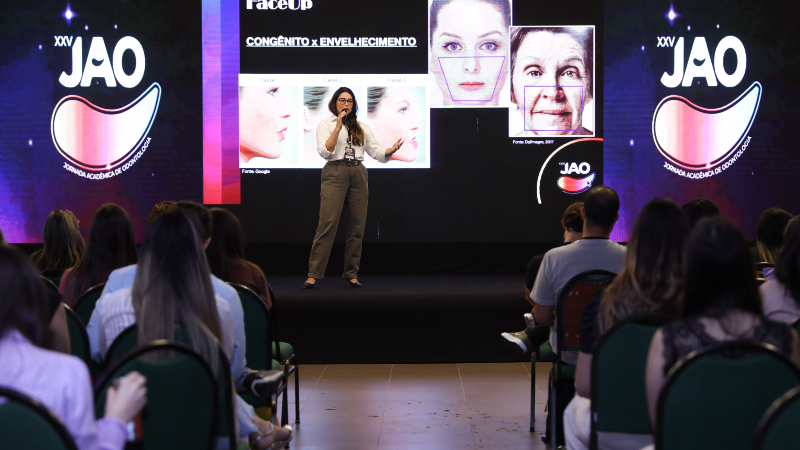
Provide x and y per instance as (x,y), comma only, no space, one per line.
(401,319)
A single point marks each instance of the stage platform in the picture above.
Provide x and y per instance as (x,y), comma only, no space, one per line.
(401,318)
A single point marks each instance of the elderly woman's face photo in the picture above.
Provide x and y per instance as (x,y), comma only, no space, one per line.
(263,121)
(469,53)
(551,83)
(394,119)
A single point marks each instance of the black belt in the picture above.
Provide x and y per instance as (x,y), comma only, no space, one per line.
(345,162)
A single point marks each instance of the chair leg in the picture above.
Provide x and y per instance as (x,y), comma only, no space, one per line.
(296,391)
(285,403)
(553,413)
(533,391)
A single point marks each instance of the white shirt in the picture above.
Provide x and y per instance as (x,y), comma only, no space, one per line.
(371,146)
(778,302)
(115,314)
(560,264)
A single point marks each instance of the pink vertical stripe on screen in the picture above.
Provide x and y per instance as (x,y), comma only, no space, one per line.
(212,126)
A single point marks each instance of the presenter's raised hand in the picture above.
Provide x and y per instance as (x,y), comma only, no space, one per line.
(395,147)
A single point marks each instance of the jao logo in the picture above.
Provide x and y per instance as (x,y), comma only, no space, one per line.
(572,185)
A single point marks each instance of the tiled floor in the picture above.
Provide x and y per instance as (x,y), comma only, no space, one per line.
(417,406)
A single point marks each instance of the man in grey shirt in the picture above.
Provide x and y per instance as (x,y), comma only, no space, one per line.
(593,251)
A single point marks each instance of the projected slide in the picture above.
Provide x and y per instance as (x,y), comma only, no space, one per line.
(469,53)
(279,114)
(552,82)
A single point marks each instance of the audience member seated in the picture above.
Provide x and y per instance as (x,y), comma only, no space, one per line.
(651,280)
(781,295)
(111,246)
(172,288)
(594,251)
(124,278)
(158,209)
(720,304)
(769,235)
(60,382)
(572,223)
(699,208)
(63,245)
(225,255)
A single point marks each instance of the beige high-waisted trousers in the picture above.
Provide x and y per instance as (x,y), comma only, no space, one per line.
(342,185)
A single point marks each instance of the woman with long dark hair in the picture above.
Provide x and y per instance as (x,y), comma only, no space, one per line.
(225,255)
(61,382)
(342,141)
(173,288)
(111,246)
(720,304)
(781,295)
(63,244)
(651,279)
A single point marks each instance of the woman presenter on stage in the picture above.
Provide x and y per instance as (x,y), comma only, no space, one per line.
(342,141)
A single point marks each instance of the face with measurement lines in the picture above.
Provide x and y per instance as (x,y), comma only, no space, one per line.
(469,53)
(551,83)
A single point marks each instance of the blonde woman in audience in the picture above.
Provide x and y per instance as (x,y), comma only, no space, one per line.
(781,295)
(63,244)
(720,304)
(60,382)
(172,287)
(651,280)
(769,234)
(111,246)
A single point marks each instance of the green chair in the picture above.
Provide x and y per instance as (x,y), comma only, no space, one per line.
(569,309)
(264,351)
(54,275)
(778,428)
(50,285)
(619,362)
(796,324)
(182,397)
(127,341)
(27,424)
(715,397)
(84,307)
(78,338)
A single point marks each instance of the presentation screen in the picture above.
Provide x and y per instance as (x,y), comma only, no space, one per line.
(701,101)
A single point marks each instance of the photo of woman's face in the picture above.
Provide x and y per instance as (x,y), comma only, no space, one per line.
(469,53)
(551,83)
(263,122)
(394,119)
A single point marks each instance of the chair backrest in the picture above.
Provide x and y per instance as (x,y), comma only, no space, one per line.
(258,329)
(182,397)
(27,424)
(54,275)
(124,343)
(127,342)
(78,338)
(796,324)
(50,284)
(619,396)
(778,428)
(84,307)
(571,301)
(715,397)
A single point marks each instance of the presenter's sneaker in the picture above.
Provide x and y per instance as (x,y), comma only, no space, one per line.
(518,342)
(354,284)
(308,285)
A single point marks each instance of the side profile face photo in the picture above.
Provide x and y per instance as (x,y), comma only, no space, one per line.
(552,80)
(469,51)
(265,119)
(391,112)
